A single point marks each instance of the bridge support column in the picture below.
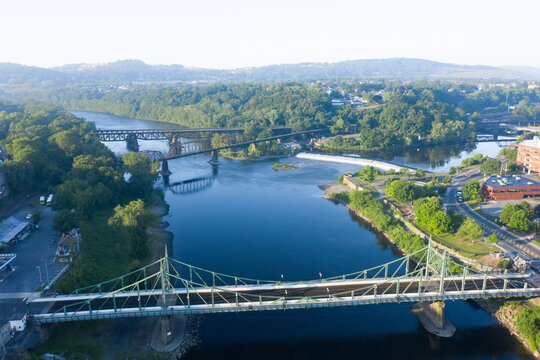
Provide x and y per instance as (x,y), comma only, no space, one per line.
(132,143)
(165,168)
(214,158)
(165,330)
(431,316)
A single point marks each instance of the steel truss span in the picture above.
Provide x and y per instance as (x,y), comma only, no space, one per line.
(166,134)
(169,286)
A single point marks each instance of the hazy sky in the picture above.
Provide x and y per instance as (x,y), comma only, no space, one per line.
(237,33)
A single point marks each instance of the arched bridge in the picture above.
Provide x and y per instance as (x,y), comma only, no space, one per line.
(169,286)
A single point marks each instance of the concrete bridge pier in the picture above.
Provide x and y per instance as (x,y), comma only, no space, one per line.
(431,316)
(165,330)
(214,158)
(132,143)
(165,168)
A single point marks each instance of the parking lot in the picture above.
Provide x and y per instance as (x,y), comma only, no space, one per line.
(495,207)
(34,265)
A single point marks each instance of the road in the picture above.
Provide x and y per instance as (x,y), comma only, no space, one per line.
(34,254)
(507,240)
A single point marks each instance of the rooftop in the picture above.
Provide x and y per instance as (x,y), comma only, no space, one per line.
(534,142)
(9,228)
(510,181)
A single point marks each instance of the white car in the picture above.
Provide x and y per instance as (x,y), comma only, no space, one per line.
(28,216)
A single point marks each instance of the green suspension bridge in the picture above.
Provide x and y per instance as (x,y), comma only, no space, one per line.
(169,287)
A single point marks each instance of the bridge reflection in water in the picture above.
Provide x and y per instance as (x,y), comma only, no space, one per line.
(169,287)
(190,186)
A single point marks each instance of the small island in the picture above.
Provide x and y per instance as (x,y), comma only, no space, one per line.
(285,166)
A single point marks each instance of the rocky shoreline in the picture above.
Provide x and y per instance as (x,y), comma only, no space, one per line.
(507,317)
(162,238)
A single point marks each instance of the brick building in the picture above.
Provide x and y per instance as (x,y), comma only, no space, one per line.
(528,157)
(510,188)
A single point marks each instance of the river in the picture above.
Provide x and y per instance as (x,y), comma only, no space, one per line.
(248,220)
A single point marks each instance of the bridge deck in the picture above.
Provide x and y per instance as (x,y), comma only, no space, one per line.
(270,297)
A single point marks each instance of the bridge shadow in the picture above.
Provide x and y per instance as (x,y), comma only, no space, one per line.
(190,186)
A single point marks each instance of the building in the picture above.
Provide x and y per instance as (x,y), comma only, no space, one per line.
(69,244)
(528,157)
(13,230)
(510,188)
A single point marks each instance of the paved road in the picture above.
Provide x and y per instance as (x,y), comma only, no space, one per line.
(507,240)
(35,251)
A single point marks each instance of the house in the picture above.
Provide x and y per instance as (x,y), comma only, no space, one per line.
(69,244)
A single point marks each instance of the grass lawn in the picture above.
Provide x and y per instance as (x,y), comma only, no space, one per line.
(465,247)
(476,207)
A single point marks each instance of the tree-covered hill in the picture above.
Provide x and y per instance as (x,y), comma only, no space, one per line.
(136,71)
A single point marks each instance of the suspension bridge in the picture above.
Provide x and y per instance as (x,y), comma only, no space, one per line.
(170,287)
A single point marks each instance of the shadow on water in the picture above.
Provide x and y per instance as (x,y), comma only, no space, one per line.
(475,343)
(190,186)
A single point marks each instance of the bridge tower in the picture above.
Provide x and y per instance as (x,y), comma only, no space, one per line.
(214,158)
(132,143)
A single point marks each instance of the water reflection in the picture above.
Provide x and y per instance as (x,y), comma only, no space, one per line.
(190,186)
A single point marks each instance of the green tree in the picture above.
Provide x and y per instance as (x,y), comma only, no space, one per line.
(519,221)
(404,171)
(65,220)
(368,173)
(527,208)
(452,170)
(507,212)
(492,239)
(134,217)
(400,190)
(472,191)
(143,173)
(470,230)
(490,167)
(420,173)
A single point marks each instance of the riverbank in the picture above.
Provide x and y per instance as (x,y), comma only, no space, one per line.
(124,338)
(505,315)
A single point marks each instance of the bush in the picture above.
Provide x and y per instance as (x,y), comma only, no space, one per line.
(492,239)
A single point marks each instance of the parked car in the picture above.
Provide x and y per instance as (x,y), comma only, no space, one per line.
(28,216)
(460,199)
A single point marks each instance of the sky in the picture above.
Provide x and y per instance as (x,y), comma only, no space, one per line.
(240,33)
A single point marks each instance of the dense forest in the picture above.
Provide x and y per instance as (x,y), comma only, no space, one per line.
(409,116)
(393,114)
(51,151)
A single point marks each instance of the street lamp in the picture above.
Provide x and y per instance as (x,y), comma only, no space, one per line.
(40,278)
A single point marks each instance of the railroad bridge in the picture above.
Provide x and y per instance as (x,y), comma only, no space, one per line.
(199,141)
(169,287)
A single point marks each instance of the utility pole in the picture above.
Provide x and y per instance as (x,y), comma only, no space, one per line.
(40,278)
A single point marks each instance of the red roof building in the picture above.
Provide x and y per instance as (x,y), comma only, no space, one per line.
(510,188)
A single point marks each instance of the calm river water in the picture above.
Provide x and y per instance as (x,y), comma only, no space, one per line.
(248,220)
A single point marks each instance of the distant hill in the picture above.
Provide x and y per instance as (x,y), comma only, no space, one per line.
(136,71)
(534,72)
